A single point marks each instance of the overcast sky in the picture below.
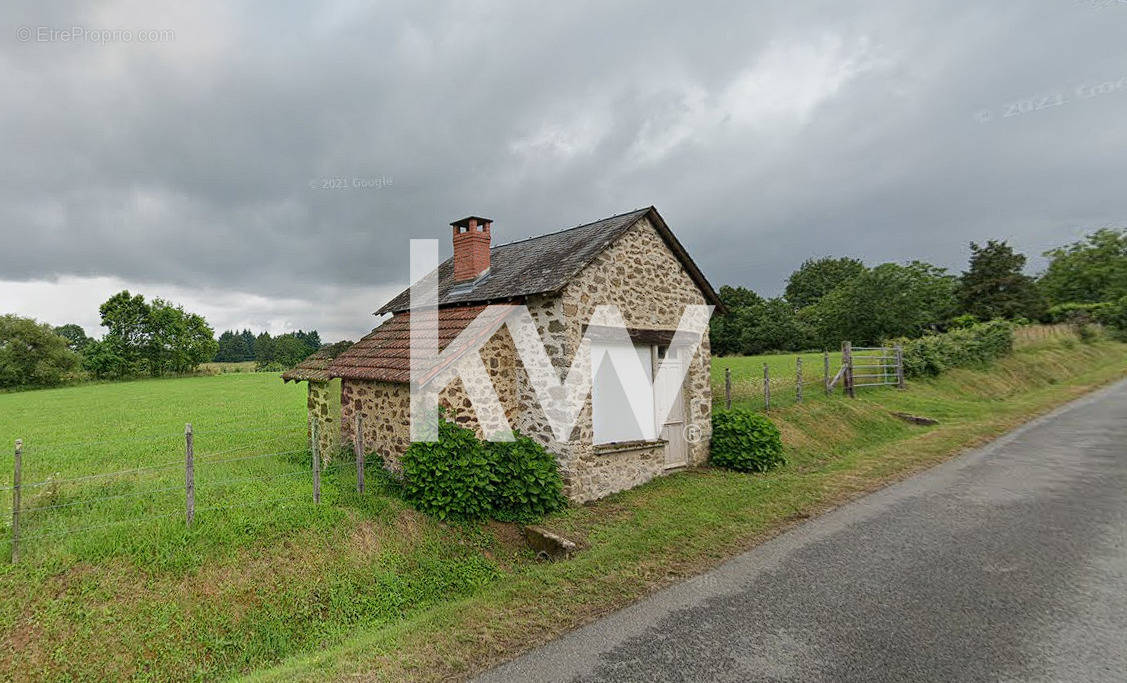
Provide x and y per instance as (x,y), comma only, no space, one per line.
(181,150)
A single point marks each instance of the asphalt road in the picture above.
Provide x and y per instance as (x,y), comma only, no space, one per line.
(1007,563)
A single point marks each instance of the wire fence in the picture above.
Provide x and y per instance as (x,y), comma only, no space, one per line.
(770,382)
(228,477)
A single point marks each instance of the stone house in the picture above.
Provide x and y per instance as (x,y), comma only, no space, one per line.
(630,260)
(323,401)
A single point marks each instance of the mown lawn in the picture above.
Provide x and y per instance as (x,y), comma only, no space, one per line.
(364,585)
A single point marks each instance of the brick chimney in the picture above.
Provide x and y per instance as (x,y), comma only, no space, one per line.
(471,247)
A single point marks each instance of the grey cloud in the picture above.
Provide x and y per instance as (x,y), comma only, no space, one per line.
(764,133)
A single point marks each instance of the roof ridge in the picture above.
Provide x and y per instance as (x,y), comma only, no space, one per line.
(574,227)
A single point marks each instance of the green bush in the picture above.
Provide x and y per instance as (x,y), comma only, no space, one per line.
(528,482)
(963,321)
(461,477)
(450,477)
(745,441)
(972,346)
(1079,313)
(31,354)
(1086,333)
(1114,318)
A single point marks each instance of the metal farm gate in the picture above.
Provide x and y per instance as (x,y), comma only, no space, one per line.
(869,366)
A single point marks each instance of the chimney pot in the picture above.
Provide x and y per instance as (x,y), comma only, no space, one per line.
(471,247)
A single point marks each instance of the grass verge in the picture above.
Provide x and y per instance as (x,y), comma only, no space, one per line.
(677,526)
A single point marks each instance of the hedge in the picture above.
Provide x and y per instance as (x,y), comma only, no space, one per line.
(971,346)
(1071,313)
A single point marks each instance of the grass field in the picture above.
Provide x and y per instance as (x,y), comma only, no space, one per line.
(747,378)
(365,585)
(262,573)
(222,368)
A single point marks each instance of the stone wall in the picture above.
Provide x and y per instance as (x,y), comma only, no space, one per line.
(385,411)
(645,280)
(603,470)
(640,275)
(323,403)
(386,407)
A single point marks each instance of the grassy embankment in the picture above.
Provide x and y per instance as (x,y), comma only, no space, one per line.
(262,574)
(367,586)
(677,526)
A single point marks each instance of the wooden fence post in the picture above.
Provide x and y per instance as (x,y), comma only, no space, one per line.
(798,378)
(766,389)
(826,371)
(847,363)
(728,388)
(18,465)
(189,473)
(358,444)
(316,465)
(899,366)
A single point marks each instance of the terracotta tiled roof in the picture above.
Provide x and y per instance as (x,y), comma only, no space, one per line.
(315,367)
(545,264)
(384,355)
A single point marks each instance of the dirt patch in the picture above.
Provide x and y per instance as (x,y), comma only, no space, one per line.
(364,541)
(508,536)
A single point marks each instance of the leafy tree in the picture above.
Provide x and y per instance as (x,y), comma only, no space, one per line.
(1092,270)
(101,359)
(817,277)
(126,318)
(995,287)
(31,354)
(177,341)
(754,324)
(289,350)
(156,337)
(772,326)
(1115,317)
(75,336)
(726,331)
(890,300)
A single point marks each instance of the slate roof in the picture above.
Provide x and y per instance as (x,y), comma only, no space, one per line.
(545,264)
(539,265)
(315,367)
(384,355)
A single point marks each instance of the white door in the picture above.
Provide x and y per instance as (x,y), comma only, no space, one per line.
(667,391)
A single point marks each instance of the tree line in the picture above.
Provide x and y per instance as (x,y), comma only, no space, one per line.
(829,300)
(152,338)
(284,351)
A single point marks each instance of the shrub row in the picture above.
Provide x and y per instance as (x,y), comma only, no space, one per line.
(975,345)
(1110,314)
(462,477)
(1083,313)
